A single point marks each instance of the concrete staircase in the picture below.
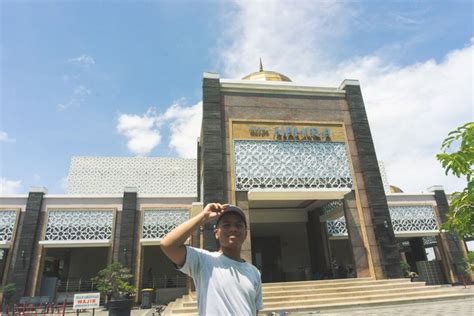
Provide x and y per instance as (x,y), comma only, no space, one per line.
(334,294)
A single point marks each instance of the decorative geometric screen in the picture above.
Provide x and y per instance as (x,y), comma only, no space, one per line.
(337,227)
(150,175)
(413,218)
(410,218)
(74,225)
(158,223)
(429,241)
(7,223)
(290,164)
(331,206)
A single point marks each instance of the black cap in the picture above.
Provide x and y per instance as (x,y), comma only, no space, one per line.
(234,210)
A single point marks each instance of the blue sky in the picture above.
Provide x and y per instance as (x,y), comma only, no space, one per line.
(112,78)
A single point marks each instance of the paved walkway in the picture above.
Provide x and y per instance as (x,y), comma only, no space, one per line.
(464,307)
(458,307)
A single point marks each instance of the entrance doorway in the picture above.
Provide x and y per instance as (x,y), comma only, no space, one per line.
(266,256)
(71,269)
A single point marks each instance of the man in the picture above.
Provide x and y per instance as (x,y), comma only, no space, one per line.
(225,283)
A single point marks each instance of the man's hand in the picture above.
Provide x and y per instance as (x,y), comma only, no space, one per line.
(213,211)
(173,243)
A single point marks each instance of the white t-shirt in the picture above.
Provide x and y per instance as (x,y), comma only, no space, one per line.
(224,286)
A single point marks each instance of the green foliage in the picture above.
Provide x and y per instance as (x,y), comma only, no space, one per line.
(405,267)
(114,280)
(8,288)
(460,163)
(470,257)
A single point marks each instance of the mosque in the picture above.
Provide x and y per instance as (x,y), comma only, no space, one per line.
(298,159)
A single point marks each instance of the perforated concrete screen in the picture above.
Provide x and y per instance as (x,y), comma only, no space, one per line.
(150,175)
(73,225)
(288,164)
(7,222)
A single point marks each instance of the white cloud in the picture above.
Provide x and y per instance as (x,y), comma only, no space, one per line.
(83,60)
(76,99)
(63,184)
(185,125)
(144,132)
(410,108)
(283,34)
(9,186)
(5,138)
(141,131)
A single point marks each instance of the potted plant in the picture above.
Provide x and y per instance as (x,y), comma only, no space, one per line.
(405,268)
(114,283)
(7,292)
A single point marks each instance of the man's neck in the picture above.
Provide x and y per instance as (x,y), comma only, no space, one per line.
(233,254)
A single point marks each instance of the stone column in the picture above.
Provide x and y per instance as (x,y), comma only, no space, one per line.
(450,244)
(316,243)
(418,252)
(21,272)
(354,231)
(126,246)
(371,182)
(243,203)
(212,152)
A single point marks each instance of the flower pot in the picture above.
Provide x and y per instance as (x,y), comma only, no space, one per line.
(120,307)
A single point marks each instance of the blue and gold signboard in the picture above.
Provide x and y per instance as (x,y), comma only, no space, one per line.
(288,131)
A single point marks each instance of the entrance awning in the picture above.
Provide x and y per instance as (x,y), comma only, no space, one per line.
(74,243)
(296,194)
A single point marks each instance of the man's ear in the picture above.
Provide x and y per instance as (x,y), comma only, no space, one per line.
(215,233)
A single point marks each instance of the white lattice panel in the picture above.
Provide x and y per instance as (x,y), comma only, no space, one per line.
(150,175)
(410,218)
(7,224)
(383,174)
(290,164)
(337,227)
(75,225)
(158,223)
(331,206)
(413,218)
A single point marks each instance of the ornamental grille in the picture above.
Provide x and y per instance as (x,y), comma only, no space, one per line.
(337,227)
(331,206)
(76,225)
(290,164)
(410,218)
(158,223)
(429,241)
(150,175)
(413,218)
(7,223)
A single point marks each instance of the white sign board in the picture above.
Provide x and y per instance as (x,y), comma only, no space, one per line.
(86,300)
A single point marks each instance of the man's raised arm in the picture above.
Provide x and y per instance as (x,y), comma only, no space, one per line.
(173,243)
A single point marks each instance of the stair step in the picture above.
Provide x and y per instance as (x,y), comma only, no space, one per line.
(336,287)
(322,306)
(329,281)
(382,301)
(334,294)
(325,296)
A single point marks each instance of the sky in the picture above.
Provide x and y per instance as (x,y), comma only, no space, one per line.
(124,78)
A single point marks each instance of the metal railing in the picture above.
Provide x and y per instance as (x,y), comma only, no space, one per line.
(77,285)
(166,281)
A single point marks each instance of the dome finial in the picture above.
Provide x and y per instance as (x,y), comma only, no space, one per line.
(261,65)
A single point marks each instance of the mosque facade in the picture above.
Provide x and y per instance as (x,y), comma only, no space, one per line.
(298,159)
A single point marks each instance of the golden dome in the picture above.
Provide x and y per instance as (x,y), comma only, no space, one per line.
(264,75)
(395,189)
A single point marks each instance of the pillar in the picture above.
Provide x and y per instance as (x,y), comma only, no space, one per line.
(21,272)
(212,152)
(450,244)
(356,241)
(126,246)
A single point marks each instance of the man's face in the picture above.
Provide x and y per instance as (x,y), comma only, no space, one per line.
(231,231)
